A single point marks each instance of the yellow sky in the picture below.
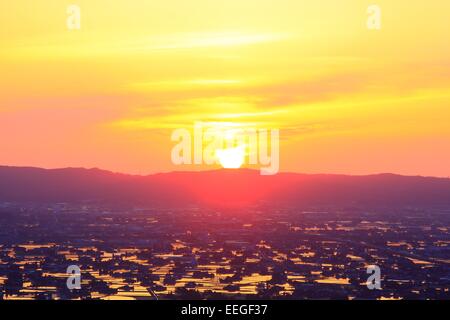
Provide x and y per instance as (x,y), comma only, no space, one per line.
(345,98)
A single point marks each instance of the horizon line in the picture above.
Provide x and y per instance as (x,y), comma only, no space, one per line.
(218,169)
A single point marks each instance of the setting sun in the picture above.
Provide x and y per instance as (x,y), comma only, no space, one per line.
(231,158)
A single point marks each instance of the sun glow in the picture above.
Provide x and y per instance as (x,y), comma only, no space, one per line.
(231,158)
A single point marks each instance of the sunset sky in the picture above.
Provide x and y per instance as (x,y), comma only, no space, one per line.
(345,98)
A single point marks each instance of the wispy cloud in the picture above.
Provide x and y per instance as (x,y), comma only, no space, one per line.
(206,40)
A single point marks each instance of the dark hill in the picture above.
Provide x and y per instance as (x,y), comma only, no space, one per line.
(219,187)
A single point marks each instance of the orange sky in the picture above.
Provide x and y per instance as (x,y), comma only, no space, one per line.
(345,98)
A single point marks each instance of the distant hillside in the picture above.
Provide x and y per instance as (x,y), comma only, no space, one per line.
(218,187)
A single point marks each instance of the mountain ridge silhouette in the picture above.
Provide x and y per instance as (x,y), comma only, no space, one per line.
(222,186)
